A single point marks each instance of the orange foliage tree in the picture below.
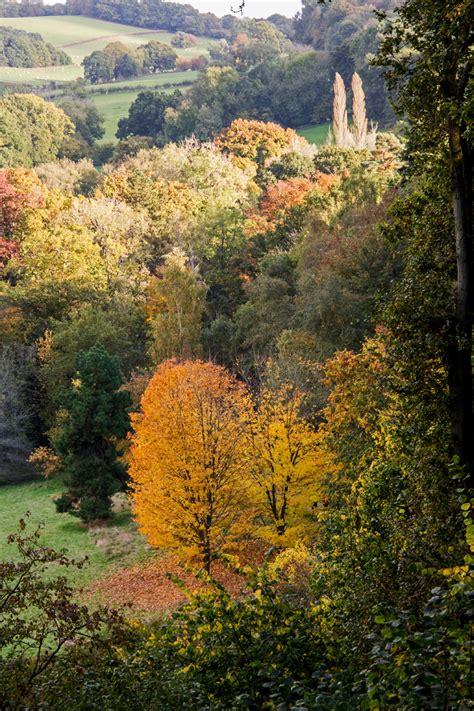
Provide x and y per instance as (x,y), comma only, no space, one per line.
(276,202)
(361,404)
(253,142)
(21,192)
(186,463)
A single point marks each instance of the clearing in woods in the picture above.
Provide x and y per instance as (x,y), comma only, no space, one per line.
(316,133)
(115,106)
(122,568)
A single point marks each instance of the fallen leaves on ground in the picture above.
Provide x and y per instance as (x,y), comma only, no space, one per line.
(147,587)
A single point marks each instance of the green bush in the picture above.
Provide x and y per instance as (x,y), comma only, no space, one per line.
(424,663)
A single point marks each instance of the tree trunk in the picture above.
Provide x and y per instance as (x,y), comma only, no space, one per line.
(461,364)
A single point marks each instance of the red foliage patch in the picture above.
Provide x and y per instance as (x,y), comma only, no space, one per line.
(146,586)
(8,250)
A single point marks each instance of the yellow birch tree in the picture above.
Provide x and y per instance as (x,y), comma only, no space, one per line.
(287,466)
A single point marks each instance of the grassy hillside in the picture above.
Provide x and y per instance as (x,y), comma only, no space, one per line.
(78,37)
(105,547)
(115,105)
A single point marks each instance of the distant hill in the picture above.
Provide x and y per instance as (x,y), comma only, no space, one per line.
(148,14)
(78,37)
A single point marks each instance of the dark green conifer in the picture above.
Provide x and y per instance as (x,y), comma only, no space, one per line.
(95,416)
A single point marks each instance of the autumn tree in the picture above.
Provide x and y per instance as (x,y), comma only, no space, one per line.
(120,232)
(20,193)
(186,467)
(93,416)
(175,305)
(75,177)
(255,141)
(184,189)
(276,202)
(286,464)
(47,283)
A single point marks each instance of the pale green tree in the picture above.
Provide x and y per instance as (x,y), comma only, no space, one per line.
(176,301)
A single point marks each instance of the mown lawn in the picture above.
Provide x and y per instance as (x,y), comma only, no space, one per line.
(317,133)
(107,548)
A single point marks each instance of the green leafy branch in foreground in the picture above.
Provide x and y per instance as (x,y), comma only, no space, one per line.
(39,615)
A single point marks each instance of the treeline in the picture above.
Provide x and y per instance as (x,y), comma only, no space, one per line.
(275,82)
(293,91)
(323,26)
(327,26)
(151,14)
(28,49)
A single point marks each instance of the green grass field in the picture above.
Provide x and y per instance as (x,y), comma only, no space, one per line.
(113,107)
(317,133)
(118,542)
(79,36)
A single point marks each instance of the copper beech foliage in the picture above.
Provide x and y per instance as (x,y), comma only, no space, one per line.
(209,464)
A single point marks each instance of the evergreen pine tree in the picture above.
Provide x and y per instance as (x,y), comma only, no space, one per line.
(95,416)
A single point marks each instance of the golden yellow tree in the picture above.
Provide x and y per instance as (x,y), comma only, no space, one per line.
(287,466)
(186,463)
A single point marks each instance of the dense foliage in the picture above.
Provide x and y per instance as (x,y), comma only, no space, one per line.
(292,89)
(292,326)
(93,414)
(116,61)
(28,49)
(32,130)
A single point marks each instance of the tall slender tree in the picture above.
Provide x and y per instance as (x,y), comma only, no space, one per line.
(359,114)
(340,126)
(427,54)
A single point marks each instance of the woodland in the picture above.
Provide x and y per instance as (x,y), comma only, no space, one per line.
(262,349)
(27,49)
